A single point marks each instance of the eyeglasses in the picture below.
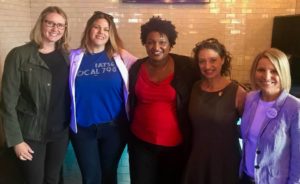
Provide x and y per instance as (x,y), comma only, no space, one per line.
(53,24)
(104,14)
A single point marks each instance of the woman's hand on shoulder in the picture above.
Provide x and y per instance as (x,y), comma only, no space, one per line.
(23,151)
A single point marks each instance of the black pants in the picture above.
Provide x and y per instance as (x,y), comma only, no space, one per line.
(47,160)
(246,179)
(152,164)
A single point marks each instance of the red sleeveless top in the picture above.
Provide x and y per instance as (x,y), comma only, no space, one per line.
(155,118)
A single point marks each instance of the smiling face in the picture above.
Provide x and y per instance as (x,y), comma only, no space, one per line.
(99,34)
(267,79)
(157,46)
(210,63)
(53,28)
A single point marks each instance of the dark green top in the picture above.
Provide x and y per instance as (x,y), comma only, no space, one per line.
(25,97)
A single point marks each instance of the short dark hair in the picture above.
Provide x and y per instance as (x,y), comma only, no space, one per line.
(214,44)
(158,25)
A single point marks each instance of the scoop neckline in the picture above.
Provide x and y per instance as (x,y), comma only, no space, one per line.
(218,91)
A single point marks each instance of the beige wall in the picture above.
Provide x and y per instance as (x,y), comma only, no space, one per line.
(298,7)
(14,28)
(14,25)
(244,26)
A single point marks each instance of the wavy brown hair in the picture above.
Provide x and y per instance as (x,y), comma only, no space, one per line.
(214,44)
(114,44)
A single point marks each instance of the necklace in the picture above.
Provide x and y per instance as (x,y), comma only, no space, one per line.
(220,93)
(217,87)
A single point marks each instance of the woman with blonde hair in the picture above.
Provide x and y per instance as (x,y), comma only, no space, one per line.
(35,98)
(99,87)
(271,123)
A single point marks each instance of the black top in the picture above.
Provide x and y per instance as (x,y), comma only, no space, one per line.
(59,105)
(215,154)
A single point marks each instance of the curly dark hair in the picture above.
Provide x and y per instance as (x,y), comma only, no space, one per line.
(214,44)
(158,25)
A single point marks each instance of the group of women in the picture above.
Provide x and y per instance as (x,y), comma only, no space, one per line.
(178,117)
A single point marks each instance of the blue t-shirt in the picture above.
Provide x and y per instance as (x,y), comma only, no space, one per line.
(99,90)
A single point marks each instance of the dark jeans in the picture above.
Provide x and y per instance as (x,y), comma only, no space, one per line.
(153,164)
(246,179)
(47,161)
(98,149)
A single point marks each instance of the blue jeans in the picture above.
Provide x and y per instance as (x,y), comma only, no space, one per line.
(98,149)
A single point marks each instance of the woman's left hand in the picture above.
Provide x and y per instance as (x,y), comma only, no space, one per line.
(23,151)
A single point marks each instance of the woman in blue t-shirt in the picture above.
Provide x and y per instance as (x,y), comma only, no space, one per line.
(98,82)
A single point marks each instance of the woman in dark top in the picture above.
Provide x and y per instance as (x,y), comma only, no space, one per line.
(159,90)
(215,106)
(35,99)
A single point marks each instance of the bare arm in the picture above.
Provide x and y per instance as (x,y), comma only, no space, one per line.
(240,99)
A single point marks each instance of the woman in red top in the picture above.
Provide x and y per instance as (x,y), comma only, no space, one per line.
(159,90)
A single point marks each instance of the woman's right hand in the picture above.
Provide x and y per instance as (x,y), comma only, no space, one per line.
(23,151)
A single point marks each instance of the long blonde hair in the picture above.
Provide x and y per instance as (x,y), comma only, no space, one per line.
(36,32)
